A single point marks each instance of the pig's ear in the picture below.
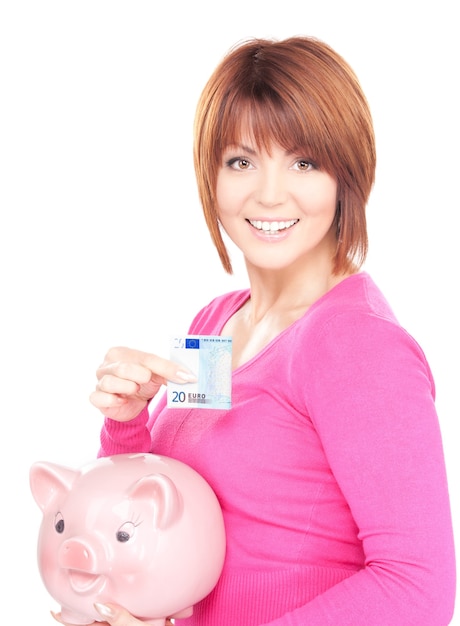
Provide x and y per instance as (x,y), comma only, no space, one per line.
(47,480)
(159,492)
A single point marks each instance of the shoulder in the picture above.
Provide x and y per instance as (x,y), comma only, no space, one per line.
(353,330)
(358,294)
(352,357)
(211,318)
(354,307)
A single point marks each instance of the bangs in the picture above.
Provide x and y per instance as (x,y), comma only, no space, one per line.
(266,119)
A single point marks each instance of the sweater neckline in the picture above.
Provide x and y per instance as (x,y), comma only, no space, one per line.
(244,295)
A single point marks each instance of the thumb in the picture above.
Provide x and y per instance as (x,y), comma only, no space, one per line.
(115,615)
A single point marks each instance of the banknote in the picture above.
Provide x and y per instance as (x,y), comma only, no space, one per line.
(209,357)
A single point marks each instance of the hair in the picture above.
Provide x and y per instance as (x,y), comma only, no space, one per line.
(301,95)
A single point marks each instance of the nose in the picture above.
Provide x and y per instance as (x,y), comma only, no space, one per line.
(271,189)
(77,554)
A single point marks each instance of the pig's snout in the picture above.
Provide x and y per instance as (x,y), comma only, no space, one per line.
(79,561)
(78,555)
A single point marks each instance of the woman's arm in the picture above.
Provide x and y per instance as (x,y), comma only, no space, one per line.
(372,403)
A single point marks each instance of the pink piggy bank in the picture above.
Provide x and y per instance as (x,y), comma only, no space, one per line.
(139,530)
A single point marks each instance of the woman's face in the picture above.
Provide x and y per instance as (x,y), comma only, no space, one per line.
(277,207)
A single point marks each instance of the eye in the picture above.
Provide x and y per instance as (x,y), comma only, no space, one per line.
(304,165)
(239,163)
(59,523)
(125,532)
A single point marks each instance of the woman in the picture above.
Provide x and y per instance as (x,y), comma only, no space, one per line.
(329,465)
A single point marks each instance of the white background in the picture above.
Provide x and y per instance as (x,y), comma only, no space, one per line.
(102,241)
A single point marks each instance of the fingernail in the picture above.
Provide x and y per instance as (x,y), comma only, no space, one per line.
(186,376)
(56,616)
(104,610)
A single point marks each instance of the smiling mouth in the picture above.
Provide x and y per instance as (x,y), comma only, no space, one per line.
(272,227)
(82,582)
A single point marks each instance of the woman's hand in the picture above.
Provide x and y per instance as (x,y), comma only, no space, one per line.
(129,379)
(115,616)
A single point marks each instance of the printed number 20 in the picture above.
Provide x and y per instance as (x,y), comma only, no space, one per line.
(178,396)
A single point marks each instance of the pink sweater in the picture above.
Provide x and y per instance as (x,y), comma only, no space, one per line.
(329,468)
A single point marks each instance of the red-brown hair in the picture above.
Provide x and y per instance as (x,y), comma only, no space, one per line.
(300,94)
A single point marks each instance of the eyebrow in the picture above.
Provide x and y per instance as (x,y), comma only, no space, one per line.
(251,151)
(240,146)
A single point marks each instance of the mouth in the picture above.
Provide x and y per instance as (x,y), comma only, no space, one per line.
(273,227)
(83,582)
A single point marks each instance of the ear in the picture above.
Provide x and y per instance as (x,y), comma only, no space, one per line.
(159,492)
(47,480)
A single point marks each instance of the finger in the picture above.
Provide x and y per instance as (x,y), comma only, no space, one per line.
(102,400)
(168,370)
(125,370)
(116,616)
(58,618)
(142,367)
(111,383)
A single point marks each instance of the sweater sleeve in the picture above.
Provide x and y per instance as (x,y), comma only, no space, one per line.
(124,437)
(370,395)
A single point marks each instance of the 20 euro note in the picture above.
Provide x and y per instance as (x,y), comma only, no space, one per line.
(209,358)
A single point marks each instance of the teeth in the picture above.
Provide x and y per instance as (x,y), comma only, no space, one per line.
(272,227)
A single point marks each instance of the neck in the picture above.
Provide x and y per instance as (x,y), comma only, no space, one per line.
(288,290)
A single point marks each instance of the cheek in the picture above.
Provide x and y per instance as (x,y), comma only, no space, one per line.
(232,192)
(223,197)
(322,198)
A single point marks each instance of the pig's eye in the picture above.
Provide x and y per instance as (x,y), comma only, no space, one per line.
(125,532)
(59,523)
